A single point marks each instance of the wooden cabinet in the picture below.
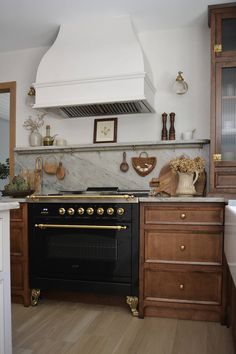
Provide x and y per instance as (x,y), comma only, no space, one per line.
(19,255)
(222,21)
(181,266)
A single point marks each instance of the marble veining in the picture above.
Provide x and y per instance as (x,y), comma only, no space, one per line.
(102,168)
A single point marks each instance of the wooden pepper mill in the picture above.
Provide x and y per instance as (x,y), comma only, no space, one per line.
(172,128)
(164,129)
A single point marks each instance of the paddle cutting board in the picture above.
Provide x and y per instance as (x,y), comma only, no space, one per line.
(168,181)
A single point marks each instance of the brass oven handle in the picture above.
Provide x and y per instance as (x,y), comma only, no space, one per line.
(80,196)
(101,227)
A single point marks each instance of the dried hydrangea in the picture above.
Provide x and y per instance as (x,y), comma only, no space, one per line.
(186,165)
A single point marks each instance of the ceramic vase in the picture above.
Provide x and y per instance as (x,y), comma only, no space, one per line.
(186,184)
(35,138)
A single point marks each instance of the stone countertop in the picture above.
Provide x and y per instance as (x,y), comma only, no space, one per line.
(11,199)
(7,205)
(157,199)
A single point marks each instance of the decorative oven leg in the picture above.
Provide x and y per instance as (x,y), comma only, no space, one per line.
(132,301)
(35,293)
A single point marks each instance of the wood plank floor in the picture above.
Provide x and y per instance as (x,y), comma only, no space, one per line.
(77,328)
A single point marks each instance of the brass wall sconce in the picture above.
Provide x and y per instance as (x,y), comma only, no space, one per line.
(180,86)
(30,99)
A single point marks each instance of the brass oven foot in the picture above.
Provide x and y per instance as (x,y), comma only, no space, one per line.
(132,301)
(35,293)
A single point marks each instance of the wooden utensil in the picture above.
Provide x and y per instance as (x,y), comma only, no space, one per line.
(60,174)
(124,165)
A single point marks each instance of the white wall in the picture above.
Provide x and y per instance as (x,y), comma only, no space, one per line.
(168,52)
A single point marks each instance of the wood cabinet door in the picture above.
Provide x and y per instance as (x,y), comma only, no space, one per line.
(223,147)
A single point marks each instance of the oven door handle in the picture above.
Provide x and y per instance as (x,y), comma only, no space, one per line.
(65,226)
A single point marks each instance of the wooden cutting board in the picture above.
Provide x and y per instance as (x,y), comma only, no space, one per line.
(169,181)
(200,185)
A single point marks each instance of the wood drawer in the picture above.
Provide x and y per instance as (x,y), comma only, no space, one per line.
(180,213)
(183,285)
(187,246)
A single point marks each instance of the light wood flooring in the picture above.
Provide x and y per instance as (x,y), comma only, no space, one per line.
(77,328)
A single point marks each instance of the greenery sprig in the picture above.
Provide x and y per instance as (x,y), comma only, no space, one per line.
(4,169)
(35,124)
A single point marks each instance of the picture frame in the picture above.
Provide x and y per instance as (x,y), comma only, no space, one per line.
(105,130)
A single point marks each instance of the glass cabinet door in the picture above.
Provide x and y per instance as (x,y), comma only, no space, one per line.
(226,81)
(226,34)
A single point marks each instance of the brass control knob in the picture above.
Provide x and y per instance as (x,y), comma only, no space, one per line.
(100,211)
(120,211)
(80,211)
(62,211)
(110,211)
(70,211)
(90,211)
(182,216)
(182,247)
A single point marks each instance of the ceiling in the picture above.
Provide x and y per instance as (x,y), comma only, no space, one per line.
(27,23)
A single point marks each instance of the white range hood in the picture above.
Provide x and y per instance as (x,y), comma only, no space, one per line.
(95,67)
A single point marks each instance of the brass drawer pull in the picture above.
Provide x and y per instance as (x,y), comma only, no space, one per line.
(183,216)
(182,247)
(181,286)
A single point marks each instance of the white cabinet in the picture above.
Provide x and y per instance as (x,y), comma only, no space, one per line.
(5,292)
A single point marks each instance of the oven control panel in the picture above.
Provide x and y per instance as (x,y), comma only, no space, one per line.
(84,210)
(100,211)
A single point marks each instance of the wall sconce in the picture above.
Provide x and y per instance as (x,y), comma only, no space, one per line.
(180,86)
(30,99)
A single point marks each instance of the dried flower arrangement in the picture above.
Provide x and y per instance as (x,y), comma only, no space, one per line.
(184,164)
(34,125)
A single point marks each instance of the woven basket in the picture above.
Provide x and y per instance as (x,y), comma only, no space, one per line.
(143,164)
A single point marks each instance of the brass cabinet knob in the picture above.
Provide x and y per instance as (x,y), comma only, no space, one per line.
(80,211)
(70,211)
(183,216)
(100,211)
(120,211)
(61,211)
(110,211)
(182,247)
(90,211)
(181,286)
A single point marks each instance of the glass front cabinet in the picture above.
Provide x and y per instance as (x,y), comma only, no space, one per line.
(222,21)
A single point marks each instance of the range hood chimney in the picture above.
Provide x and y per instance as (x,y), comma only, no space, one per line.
(95,68)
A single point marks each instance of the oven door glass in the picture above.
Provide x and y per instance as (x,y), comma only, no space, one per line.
(89,253)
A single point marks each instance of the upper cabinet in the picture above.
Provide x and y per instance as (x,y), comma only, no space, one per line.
(222,21)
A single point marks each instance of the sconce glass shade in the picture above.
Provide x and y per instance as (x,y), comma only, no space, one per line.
(180,86)
(30,99)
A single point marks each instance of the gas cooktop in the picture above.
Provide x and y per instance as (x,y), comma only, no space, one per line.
(107,191)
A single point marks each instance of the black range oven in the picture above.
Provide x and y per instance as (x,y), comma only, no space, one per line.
(85,245)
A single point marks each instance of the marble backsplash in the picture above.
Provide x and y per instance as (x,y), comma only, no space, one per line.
(102,168)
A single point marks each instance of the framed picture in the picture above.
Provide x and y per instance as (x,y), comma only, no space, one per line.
(105,130)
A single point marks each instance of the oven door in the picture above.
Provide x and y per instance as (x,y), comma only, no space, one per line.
(86,252)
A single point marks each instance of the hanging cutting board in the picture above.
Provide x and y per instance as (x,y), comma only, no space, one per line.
(144,164)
